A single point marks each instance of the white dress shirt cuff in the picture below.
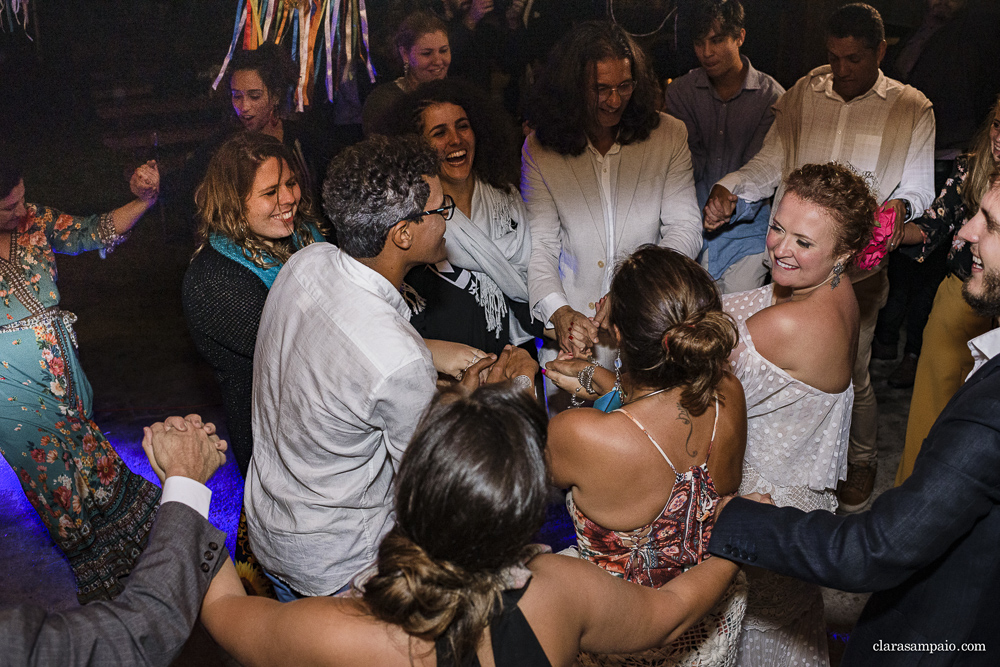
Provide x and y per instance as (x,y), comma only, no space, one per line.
(185,490)
(548,305)
(733,183)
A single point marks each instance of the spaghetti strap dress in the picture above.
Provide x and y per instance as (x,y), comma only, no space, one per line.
(796,451)
(653,554)
(95,509)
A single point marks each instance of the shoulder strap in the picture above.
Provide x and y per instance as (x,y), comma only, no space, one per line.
(715,427)
(655,444)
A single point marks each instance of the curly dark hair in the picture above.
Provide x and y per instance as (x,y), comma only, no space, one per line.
(729,14)
(844,195)
(673,331)
(559,106)
(274,67)
(374,184)
(470,493)
(498,158)
(857,20)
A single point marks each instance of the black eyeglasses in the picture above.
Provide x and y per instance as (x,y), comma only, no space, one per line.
(446,211)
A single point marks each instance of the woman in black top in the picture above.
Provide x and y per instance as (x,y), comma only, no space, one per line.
(252,215)
(456,579)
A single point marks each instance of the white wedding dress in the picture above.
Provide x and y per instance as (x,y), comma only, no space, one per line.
(796,451)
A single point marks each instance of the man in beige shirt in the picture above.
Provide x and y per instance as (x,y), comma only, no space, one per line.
(848,111)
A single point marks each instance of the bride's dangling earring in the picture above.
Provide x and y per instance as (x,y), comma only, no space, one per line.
(838,269)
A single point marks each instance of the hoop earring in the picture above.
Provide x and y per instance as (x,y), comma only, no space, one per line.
(838,269)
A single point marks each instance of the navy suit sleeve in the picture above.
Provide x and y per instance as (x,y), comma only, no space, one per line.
(955,483)
(147,624)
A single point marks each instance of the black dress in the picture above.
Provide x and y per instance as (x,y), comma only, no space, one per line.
(445,307)
(514,642)
(223,302)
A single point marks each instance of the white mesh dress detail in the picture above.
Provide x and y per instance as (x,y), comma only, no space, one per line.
(797,440)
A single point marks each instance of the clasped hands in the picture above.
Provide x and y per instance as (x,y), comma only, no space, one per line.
(145,182)
(184,447)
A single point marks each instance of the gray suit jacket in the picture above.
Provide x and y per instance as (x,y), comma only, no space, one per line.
(928,548)
(147,624)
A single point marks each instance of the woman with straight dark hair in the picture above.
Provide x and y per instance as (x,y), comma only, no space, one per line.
(602,173)
(457,582)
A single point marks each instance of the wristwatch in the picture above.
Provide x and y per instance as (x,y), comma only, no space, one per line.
(908,208)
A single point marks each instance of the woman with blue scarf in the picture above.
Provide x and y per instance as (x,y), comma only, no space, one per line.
(252,215)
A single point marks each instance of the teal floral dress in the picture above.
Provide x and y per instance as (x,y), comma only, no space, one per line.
(95,508)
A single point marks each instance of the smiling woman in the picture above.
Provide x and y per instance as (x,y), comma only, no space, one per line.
(478,296)
(253,215)
(798,338)
(422,44)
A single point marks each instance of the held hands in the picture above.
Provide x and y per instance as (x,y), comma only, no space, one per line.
(185,447)
(145,182)
(719,208)
(564,373)
(600,320)
(511,363)
(897,233)
(454,359)
(575,331)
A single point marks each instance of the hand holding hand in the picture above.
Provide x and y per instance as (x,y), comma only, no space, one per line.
(719,208)
(897,233)
(567,321)
(512,362)
(185,447)
(564,372)
(453,358)
(600,320)
(145,182)
(475,375)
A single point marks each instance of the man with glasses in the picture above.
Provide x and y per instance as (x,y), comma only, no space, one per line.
(340,376)
(602,174)
(726,106)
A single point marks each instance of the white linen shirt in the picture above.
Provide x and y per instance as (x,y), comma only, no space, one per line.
(340,380)
(835,130)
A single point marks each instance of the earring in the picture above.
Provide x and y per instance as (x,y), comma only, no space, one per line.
(838,269)
(618,374)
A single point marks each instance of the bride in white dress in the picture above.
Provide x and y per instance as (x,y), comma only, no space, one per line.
(798,339)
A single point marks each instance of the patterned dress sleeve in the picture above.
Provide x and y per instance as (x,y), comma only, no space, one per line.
(944,217)
(73,234)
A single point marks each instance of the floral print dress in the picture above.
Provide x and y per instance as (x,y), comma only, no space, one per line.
(96,510)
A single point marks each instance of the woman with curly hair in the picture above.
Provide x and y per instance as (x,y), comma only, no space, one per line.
(645,478)
(456,581)
(798,340)
(252,215)
(478,296)
(603,173)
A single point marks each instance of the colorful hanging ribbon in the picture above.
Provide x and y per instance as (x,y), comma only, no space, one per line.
(334,31)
